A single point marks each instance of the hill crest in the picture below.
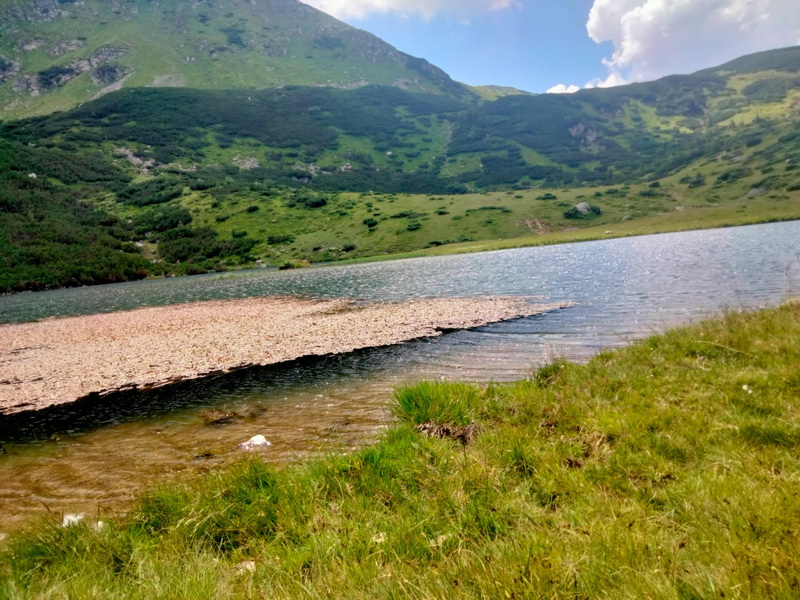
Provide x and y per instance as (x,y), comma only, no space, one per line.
(56,54)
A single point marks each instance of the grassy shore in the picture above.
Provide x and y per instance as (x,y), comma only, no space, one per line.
(714,217)
(669,469)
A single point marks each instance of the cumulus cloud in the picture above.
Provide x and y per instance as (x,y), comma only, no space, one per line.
(653,38)
(563,89)
(359,9)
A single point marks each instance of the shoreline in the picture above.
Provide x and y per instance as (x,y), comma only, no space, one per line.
(62,360)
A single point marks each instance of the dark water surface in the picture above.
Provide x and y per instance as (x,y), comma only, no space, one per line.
(94,458)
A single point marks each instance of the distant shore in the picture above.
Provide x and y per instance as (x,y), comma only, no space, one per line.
(58,361)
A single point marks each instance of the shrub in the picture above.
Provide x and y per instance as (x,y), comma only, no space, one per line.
(574,213)
(284,238)
(315,202)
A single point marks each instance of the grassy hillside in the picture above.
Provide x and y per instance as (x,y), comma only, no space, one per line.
(56,54)
(214,179)
(665,470)
(608,136)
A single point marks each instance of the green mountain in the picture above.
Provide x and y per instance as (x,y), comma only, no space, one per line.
(207,179)
(56,54)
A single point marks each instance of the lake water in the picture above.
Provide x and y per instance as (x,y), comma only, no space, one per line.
(94,459)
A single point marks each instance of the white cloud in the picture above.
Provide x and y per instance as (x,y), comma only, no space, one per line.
(359,9)
(614,78)
(563,89)
(653,38)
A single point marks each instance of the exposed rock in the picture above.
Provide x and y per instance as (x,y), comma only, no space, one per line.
(29,44)
(29,84)
(65,46)
(107,74)
(106,53)
(755,192)
(246,163)
(577,129)
(34,11)
(588,135)
(583,208)
(133,159)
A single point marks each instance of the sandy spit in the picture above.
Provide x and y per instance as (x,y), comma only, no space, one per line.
(61,360)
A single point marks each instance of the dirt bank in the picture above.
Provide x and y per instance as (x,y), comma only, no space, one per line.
(57,361)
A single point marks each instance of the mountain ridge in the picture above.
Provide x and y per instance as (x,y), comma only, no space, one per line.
(56,54)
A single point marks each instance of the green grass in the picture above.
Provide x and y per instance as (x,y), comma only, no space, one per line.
(668,469)
(710,216)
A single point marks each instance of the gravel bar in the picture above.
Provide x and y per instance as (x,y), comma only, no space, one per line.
(60,360)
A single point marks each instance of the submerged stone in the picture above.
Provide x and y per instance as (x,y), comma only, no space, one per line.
(256,442)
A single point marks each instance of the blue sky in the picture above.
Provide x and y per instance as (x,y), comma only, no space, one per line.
(535,45)
(531,47)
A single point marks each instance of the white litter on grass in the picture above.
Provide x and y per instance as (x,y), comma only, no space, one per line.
(256,442)
(70,519)
(246,566)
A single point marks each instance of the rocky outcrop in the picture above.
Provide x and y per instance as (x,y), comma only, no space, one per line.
(65,47)
(27,84)
(34,11)
(105,54)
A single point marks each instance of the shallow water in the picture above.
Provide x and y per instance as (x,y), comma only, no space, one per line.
(93,459)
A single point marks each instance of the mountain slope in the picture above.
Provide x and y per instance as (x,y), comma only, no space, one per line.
(209,179)
(55,54)
(325,137)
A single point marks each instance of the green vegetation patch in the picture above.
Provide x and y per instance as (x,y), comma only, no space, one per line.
(666,470)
